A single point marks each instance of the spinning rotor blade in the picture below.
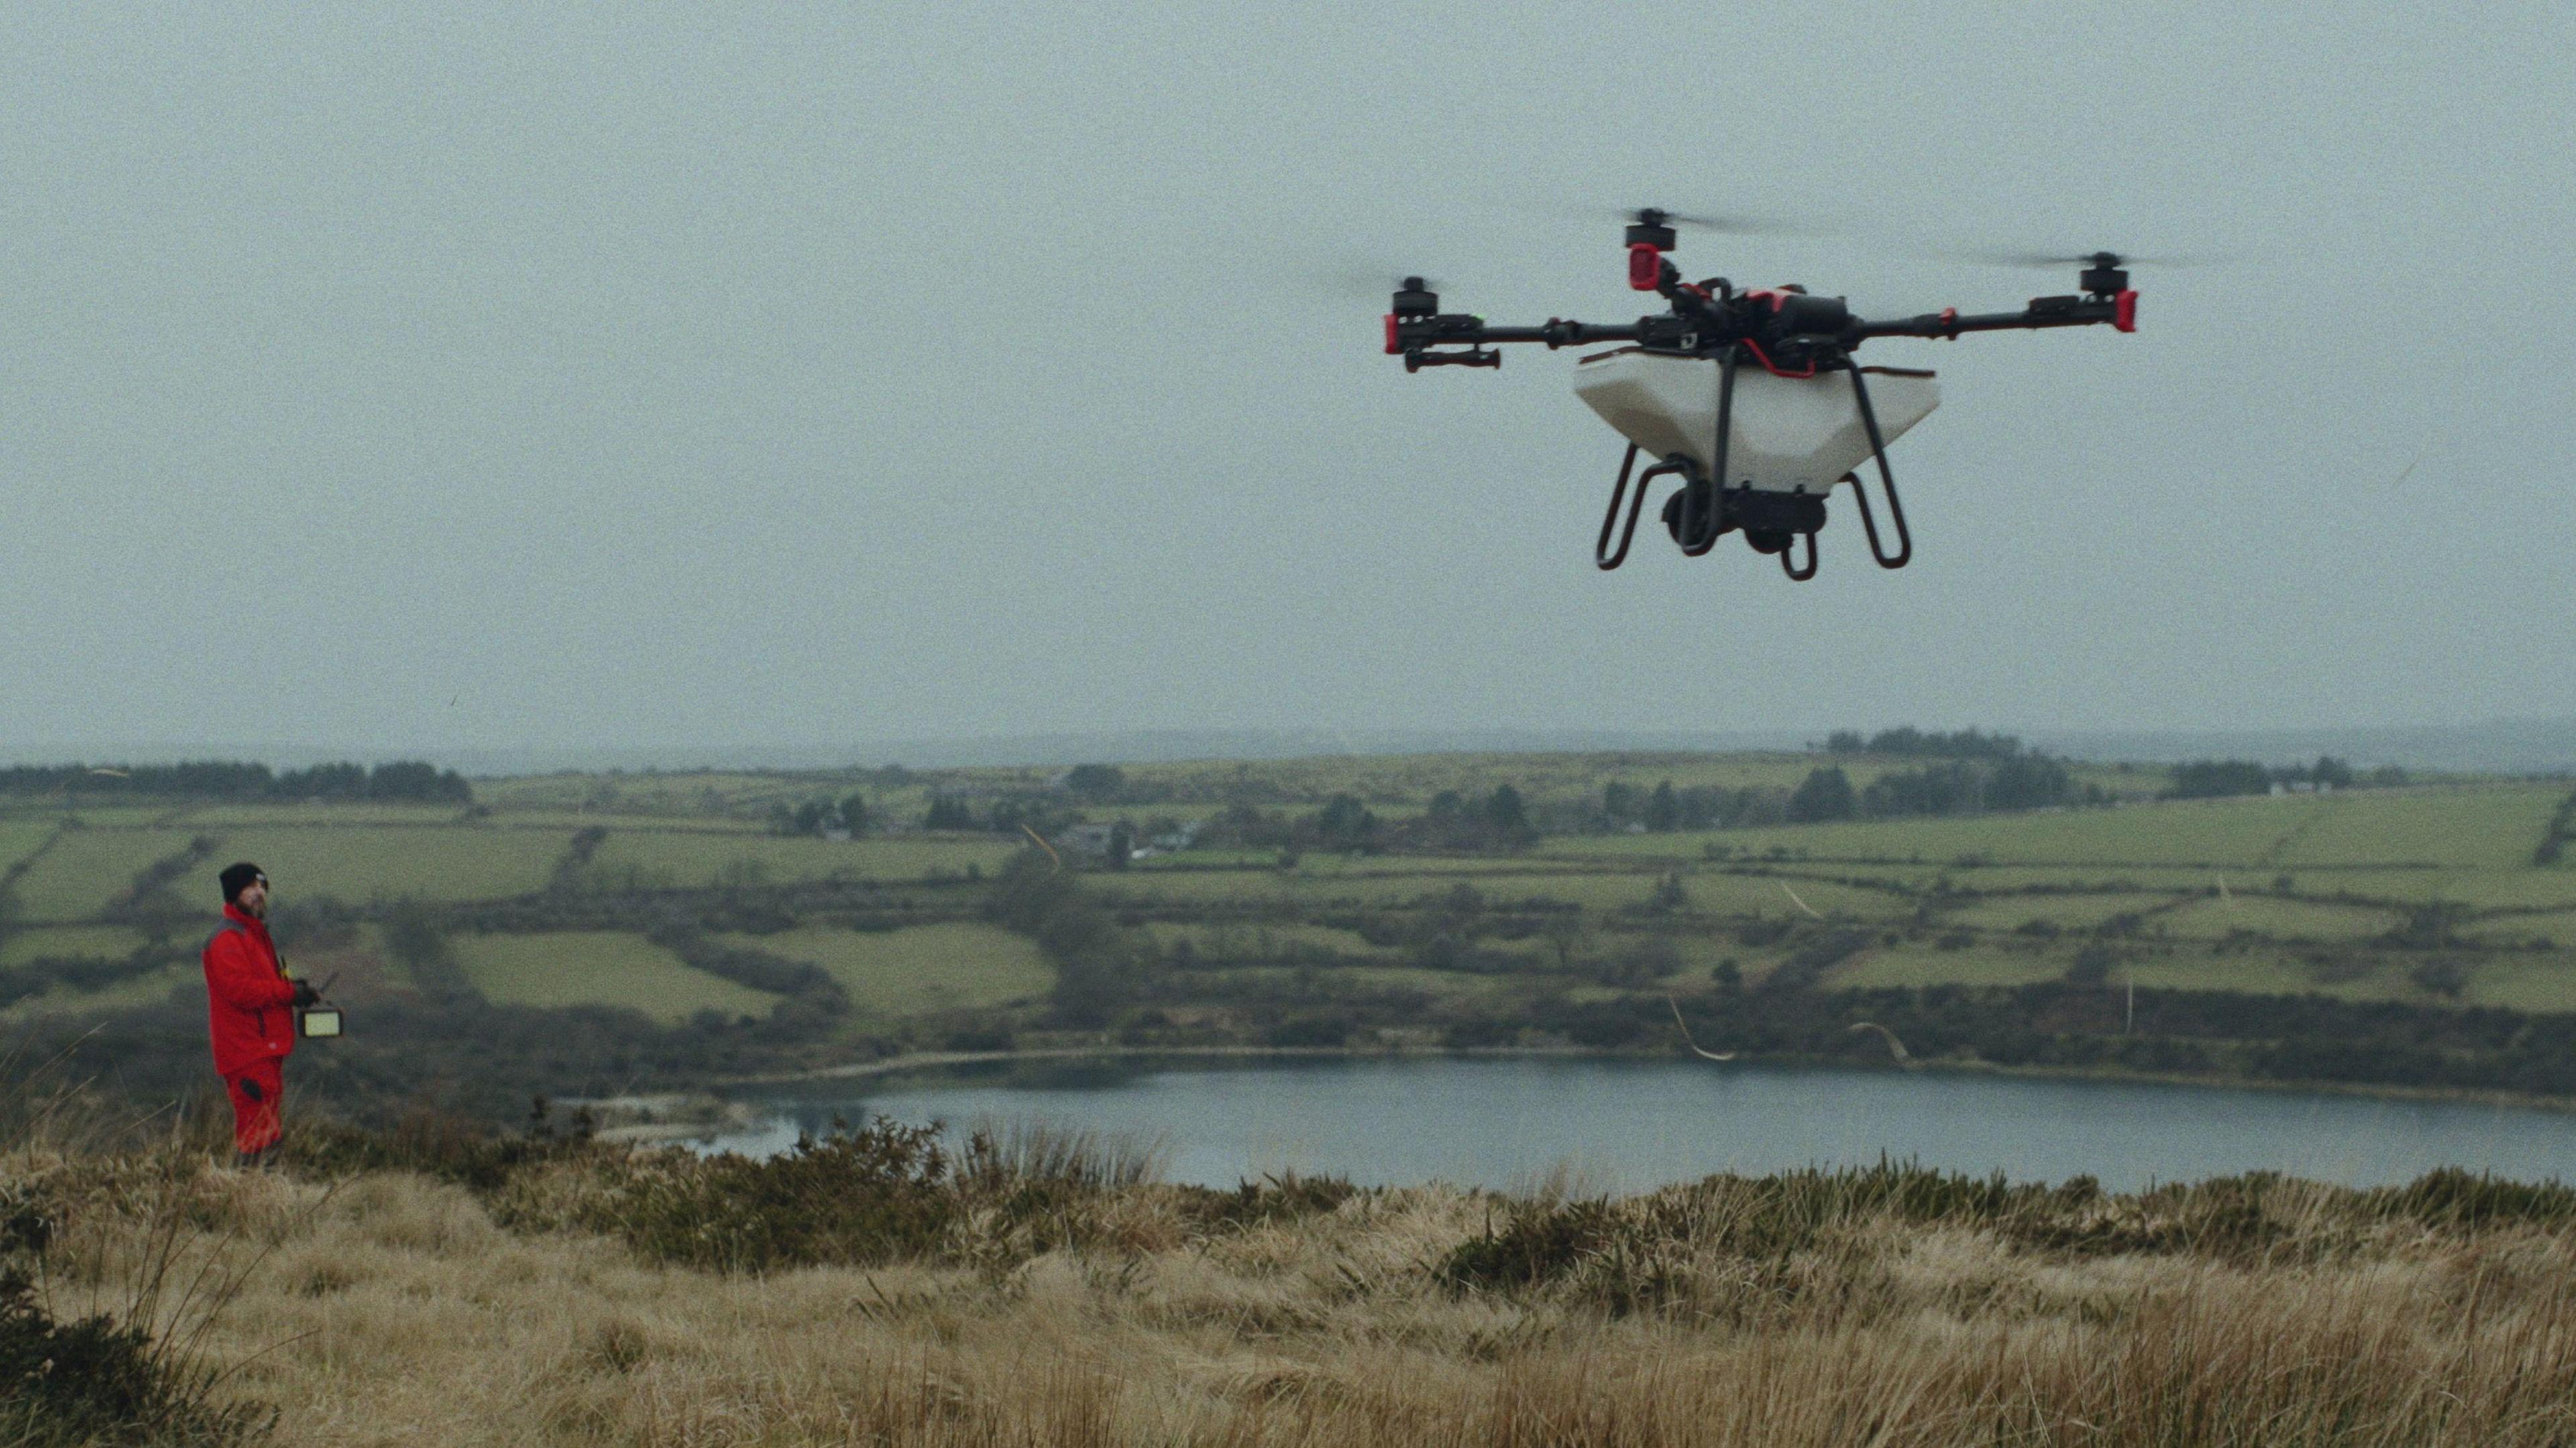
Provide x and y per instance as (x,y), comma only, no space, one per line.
(2090,258)
(1366,281)
(1738,225)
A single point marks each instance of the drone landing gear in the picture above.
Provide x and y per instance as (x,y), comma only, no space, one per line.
(1886,481)
(1602,556)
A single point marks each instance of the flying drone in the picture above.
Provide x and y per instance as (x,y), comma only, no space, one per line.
(1751,398)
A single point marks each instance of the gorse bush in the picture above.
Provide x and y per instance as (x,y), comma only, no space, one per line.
(880,1193)
(97,1381)
(1728,1233)
(860,1197)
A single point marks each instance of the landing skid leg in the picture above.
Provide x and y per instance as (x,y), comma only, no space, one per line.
(1886,480)
(1602,556)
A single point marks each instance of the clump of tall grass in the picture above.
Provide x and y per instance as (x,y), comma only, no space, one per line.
(85,1200)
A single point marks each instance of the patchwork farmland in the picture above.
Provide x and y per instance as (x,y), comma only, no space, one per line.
(708,903)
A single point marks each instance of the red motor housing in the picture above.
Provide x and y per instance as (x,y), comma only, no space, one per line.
(1645,266)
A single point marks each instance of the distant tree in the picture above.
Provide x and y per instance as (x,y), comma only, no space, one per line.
(1957,787)
(413,779)
(1966,744)
(324,781)
(1043,813)
(1664,808)
(2093,965)
(2028,781)
(1669,893)
(1619,803)
(1844,741)
(2445,978)
(854,814)
(1345,823)
(1506,815)
(948,812)
(1098,783)
(2217,779)
(2331,773)
(1825,795)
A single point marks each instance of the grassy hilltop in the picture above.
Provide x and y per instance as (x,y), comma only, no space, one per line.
(595,932)
(423,1286)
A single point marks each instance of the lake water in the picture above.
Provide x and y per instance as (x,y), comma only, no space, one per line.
(1625,1126)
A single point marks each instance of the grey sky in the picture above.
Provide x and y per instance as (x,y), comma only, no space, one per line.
(655,375)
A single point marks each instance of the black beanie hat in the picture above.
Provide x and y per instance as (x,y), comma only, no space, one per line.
(237,878)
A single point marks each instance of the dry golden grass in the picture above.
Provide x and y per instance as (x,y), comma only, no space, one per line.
(392,1308)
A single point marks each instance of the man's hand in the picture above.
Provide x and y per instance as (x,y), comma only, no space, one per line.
(305,994)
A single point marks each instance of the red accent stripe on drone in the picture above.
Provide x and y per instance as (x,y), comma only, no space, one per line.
(2124,311)
(1645,267)
(1765,359)
(1391,348)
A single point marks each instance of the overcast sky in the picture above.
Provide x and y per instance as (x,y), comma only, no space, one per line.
(649,376)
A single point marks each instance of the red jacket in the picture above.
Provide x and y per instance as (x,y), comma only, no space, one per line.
(247,995)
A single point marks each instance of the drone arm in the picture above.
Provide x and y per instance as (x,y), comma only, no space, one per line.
(2120,310)
(1406,334)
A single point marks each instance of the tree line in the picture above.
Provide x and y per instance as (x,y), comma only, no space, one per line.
(409,780)
(2223,778)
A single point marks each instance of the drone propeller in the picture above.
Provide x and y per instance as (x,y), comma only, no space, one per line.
(1723,225)
(1368,280)
(2091,258)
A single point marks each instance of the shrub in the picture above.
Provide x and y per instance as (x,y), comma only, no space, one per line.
(100,1382)
(863,1196)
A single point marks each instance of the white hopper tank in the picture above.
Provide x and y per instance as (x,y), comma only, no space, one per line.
(1791,434)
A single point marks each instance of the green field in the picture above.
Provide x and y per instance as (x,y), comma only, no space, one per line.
(220,817)
(2064,913)
(87,869)
(926,968)
(2299,920)
(359,863)
(599,967)
(21,838)
(632,858)
(75,942)
(1980,964)
(1261,941)
(141,990)
(2485,829)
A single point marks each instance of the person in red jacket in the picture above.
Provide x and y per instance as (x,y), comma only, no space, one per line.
(250,1007)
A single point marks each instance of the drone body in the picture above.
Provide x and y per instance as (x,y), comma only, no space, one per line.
(1751,399)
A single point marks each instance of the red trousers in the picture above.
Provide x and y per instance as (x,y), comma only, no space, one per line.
(256,1093)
